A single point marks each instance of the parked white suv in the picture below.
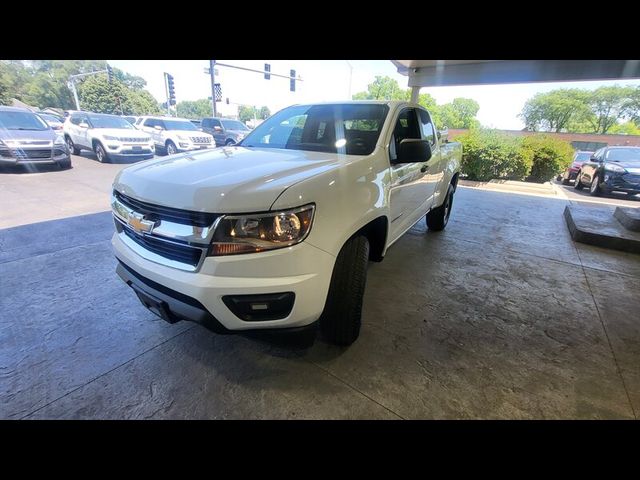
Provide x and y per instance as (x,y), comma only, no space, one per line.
(109,136)
(276,233)
(175,134)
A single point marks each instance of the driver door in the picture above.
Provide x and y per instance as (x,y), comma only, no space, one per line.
(410,191)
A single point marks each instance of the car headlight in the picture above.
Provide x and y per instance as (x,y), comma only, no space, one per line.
(107,137)
(613,168)
(263,231)
(58,141)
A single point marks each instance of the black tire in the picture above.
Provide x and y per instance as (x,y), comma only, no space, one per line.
(101,153)
(229,143)
(341,319)
(438,218)
(171,148)
(594,188)
(578,185)
(566,181)
(72,146)
(65,164)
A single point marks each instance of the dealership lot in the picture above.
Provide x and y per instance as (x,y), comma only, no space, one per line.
(501,315)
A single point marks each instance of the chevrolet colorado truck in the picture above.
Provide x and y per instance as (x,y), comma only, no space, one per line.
(276,232)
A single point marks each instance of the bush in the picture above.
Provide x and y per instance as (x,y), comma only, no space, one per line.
(488,154)
(550,156)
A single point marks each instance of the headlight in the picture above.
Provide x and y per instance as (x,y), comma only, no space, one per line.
(58,141)
(107,137)
(264,231)
(613,168)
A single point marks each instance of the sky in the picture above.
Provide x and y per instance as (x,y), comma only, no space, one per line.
(328,80)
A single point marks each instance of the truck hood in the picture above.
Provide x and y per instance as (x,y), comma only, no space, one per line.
(224,180)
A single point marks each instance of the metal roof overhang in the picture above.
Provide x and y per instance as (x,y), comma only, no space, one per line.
(431,73)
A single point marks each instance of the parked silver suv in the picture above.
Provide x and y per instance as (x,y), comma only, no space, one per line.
(27,139)
(225,131)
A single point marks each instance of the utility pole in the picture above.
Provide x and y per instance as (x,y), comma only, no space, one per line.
(212,68)
(350,75)
(72,82)
(72,87)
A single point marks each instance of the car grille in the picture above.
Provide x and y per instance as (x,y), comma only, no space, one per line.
(198,219)
(170,250)
(141,151)
(134,140)
(200,140)
(28,153)
(631,178)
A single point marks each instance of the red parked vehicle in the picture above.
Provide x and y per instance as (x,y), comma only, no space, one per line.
(572,170)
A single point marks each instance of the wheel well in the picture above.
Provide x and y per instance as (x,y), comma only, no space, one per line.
(166,144)
(94,143)
(376,232)
(229,140)
(454,181)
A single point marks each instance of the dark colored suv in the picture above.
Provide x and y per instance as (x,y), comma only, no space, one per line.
(611,169)
(225,131)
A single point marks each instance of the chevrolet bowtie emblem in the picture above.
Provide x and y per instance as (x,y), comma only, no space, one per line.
(139,224)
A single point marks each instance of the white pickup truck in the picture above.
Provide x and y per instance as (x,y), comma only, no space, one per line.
(276,232)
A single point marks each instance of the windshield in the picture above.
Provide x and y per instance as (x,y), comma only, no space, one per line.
(583,156)
(49,118)
(108,121)
(234,125)
(623,155)
(348,128)
(179,125)
(22,121)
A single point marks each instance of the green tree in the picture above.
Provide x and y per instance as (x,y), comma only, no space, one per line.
(626,128)
(555,110)
(246,112)
(98,95)
(264,113)
(608,105)
(549,156)
(383,88)
(194,108)
(460,113)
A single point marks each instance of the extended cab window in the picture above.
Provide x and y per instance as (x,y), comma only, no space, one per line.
(352,129)
(428,132)
(406,127)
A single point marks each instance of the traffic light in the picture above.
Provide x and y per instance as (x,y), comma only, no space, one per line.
(292,84)
(172,89)
(109,73)
(267,68)
(227,100)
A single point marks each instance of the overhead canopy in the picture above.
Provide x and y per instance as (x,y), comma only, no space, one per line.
(429,73)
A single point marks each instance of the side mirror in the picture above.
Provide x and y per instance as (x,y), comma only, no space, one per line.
(413,150)
(594,159)
(443,135)
(217,129)
(158,127)
(83,125)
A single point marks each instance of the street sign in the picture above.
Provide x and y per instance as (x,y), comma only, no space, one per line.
(218,90)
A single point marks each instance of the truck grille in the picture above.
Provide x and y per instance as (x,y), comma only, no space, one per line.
(200,140)
(170,250)
(198,219)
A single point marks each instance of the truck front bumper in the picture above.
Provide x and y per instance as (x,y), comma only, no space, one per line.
(208,295)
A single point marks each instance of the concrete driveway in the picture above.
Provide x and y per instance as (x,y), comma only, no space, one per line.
(499,316)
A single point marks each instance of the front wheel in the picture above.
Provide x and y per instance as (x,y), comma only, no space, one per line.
(594,190)
(101,154)
(171,148)
(341,319)
(578,185)
(438,218)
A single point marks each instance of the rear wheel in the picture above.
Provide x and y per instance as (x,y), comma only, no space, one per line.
(72,147)
(341,319)
(65,164)
(566,181)
(101,153)
(438,218)
(578,185)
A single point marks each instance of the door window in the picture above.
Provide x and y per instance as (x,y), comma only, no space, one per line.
(426,125)
(406,127)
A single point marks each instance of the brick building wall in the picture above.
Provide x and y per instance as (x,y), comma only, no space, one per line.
(580,141)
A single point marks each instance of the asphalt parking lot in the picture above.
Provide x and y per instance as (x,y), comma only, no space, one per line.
(501,315)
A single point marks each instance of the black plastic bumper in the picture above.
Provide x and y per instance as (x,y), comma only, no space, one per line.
(174,306)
